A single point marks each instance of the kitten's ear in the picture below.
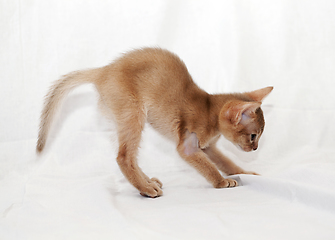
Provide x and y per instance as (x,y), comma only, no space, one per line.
(260,94)
(235,110)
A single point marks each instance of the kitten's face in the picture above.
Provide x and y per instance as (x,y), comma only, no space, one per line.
(243,125)
(242,121)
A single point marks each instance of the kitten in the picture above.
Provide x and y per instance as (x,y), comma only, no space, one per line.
(153,85)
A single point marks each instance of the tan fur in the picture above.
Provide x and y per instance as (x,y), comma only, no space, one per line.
(153,85)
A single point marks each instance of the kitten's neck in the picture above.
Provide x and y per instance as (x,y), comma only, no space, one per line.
(207,126)
(216,103)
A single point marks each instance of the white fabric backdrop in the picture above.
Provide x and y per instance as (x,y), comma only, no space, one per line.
(75,189)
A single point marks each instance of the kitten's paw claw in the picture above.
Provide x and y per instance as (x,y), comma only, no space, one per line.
(227,183)
(232,182)
(153,189)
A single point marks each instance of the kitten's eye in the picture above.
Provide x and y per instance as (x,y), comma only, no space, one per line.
(253,137)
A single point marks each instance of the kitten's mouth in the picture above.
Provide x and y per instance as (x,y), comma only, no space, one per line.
(245,149)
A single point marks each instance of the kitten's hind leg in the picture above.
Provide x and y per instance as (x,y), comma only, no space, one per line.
(129,134)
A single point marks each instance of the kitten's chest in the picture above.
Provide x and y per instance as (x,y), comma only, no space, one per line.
(208,139)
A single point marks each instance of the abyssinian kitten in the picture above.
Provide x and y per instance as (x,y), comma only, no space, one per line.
(153,85)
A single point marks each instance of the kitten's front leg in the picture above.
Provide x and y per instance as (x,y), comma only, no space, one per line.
(190,151)
(224,163)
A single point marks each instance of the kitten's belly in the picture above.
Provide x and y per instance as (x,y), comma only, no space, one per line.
(165,125)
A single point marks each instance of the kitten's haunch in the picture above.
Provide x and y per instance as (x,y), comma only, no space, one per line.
(153,85)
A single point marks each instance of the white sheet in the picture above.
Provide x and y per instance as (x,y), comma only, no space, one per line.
(75,189)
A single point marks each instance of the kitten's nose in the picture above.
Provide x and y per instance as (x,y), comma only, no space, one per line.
(255,148)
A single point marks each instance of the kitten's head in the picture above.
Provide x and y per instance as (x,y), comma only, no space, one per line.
(241,119)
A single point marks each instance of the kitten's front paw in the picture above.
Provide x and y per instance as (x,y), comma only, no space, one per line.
(156,180)
(226,183)
(153,189)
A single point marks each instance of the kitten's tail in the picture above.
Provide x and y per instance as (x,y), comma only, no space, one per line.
(53,99)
